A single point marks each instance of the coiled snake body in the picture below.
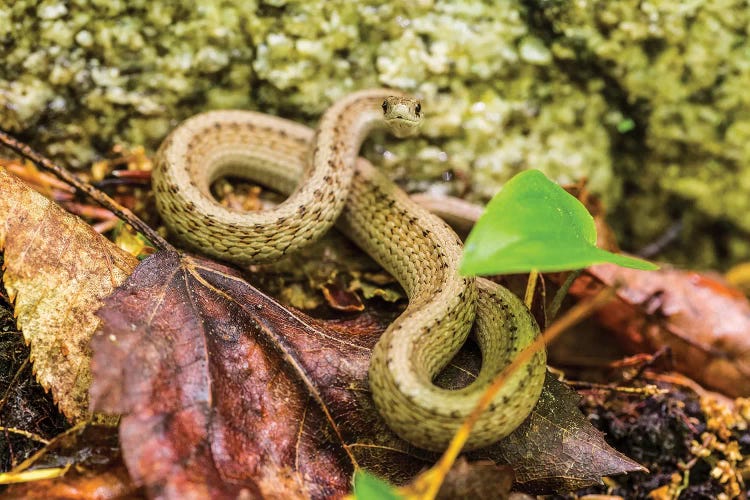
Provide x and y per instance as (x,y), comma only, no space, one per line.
(325,178)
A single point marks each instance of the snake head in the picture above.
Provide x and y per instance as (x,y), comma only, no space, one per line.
(403,115)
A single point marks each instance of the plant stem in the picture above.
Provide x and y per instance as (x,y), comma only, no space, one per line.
(554,308)
(530,288)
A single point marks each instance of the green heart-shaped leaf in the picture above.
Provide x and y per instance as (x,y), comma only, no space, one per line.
(534,224)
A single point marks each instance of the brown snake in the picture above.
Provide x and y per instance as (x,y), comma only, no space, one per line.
(325,177)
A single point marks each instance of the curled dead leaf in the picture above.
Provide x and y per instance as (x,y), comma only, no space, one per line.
(341,299)
(702,319)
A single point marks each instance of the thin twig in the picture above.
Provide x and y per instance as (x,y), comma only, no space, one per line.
(47,447)
(26,434)
(101,198)
(648,390)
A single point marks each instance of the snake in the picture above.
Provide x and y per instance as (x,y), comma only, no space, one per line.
(327,184)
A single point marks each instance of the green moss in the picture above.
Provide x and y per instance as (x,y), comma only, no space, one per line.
(684,66)
(94,73)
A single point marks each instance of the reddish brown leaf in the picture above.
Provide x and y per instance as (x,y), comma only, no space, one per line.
(342,299)
(188,354)
(702,319)
(224,390)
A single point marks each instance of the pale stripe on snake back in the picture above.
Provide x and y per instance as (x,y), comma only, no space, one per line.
(412,244)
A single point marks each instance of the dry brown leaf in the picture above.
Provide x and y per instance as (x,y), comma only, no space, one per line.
(112,484)
(556,448)
(57,269)
(702,319)
(187,354)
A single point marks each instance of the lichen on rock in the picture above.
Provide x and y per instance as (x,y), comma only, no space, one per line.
(96,73)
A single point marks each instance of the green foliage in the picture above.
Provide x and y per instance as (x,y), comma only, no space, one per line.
(534,224)
(369,487)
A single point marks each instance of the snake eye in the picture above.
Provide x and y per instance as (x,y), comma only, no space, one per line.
(418,108)
(385,106)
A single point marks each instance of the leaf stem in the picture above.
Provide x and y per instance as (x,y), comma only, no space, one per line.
(26,434)
(554,308)
(530,288)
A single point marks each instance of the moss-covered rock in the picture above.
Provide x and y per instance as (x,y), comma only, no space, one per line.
(684,69)
(81,75)
(502,82)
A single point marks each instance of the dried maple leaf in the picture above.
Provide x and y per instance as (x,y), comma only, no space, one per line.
(57,269)
(225,391)
(701,318)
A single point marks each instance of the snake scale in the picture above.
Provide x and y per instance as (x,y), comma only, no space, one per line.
(327,183)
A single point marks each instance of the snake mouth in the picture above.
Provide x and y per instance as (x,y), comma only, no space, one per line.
(403,122)
(414,121)
(403,127)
